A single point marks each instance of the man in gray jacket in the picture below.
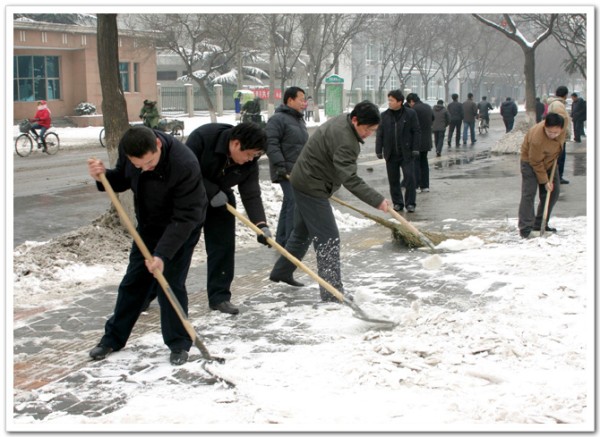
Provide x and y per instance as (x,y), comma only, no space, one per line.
(470,111)
(328,161)
(286,135)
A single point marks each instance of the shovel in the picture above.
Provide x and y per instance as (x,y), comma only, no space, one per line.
(547,203)
(158,274)
(358,312)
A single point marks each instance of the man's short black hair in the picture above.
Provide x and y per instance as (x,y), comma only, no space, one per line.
(250,135)
(554,119)
(396,94)
(413,97)
(366,113)
(562,91)
(292,93)
(454,96)
(484,98)
(574,95)
(138,140)
(470,96)
(440,102)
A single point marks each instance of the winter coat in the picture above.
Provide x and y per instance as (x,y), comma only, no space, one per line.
(170,201)
(557,105)
(456,110)
(508,110)
(328,161)
(540,151)
(43,118)
(484,107)
(399,133)
(210,144)
(286,135)
(441,118)
(470,111)
(578,110)
(540,108)
(425,117)
(149,114)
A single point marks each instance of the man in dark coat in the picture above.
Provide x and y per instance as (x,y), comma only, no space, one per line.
(470,115)
(398,141)
(425,117)
(170,206)
(484,107)
(579,116)
(228,157)
(457,114)
(508,111)
(328,161)
(286,135)
(540,108)
(441,120)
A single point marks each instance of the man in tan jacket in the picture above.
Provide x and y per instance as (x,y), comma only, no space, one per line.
(557,105)
(541,147)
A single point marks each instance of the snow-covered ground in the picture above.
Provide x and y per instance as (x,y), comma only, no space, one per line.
(513,352)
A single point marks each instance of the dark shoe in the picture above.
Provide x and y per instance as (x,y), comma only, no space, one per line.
(464,143)
(424,190)
(525,232)
(438,154)
(410,208)
(290,281)
(398,207)
(100,352)
(563,181)
(473,142)
(178,357)
(225,307)
(547,229)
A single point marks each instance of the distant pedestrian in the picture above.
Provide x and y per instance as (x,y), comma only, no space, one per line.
(149,114)
(557,104)
(310,108)
(540,108)
(470,115)
(484,107)
(425,117)
(541,147)
(579,116)
(441,120)
(457,114)
(508,111)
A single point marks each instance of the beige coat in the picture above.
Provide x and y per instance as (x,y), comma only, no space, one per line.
(540,151)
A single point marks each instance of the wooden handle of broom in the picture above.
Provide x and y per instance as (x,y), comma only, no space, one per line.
(547,203)
(157,273)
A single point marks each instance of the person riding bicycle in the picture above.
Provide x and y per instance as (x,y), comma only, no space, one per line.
(149,114)
(42,121)
(484,107)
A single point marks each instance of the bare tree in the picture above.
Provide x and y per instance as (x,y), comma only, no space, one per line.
(114,106)
(508,27)
(570,32)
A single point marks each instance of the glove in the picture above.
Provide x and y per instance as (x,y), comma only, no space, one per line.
(380,155)
(281,173)
(219,199)
(415,153)
(262,239)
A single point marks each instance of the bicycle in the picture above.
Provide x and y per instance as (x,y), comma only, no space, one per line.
(24,142)
(483,126)
(175,126)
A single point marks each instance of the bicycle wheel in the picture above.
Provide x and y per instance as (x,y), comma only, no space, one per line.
(52,143)
(23,145)
(102,138)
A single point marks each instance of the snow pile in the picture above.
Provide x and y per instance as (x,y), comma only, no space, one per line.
(511,142)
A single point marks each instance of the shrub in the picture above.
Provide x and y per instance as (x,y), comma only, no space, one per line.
(85,108)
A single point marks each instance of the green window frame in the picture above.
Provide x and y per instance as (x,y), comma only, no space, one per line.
(124,76)
(36,78)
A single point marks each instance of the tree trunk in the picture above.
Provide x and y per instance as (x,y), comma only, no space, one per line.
(529,71)
(114,106)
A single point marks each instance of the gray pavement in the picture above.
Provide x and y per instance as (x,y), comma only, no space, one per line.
(51,344)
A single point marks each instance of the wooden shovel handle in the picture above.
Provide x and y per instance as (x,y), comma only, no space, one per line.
(547,203)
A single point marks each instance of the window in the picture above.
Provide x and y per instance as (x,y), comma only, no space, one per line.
(369,82)
(393,82)
(370,55)
(36,78)
(136,77)
(166,75)
(124,75)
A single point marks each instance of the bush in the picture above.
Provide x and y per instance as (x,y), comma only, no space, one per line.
(85,108)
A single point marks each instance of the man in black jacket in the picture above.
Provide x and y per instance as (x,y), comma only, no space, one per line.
(579,116)
(228,156)
(425,117)
(398,141)
(457,114)
(170,206)
(286,136)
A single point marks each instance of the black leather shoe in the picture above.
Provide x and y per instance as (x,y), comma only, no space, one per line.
(290,281)
(100,352)
(547,229)
(178,357)
(398,207)
(410,208)
(564,181)
(225,307)
(525,232)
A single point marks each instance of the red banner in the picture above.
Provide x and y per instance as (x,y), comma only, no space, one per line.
(263,93)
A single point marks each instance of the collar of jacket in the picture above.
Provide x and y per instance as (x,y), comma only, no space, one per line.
(286,109)
(349,121)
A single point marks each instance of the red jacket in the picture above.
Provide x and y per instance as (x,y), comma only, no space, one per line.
(42,117)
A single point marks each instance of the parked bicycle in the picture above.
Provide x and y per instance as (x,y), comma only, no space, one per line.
(172,126)
(24,142)
(483,126)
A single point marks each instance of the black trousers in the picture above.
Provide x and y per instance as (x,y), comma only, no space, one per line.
(438,137)
(314,222)
(422,170)
(454,124)
(138,283)
(528,217)
(393,166)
